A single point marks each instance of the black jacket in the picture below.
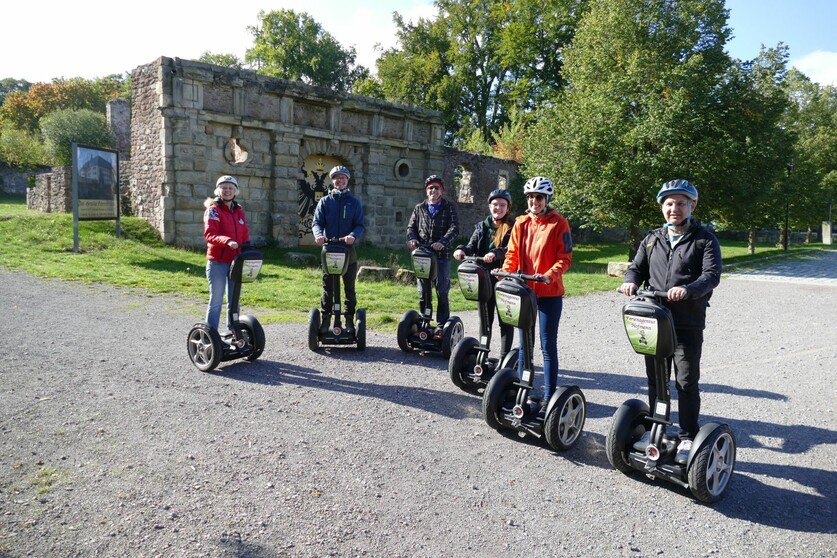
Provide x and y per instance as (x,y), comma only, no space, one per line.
(694,263)
(442,227)
(482,242)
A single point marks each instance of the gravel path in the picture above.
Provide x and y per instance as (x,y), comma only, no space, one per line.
(113,444)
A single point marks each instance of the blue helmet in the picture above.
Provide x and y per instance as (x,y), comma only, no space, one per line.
(339,169)
(678,186)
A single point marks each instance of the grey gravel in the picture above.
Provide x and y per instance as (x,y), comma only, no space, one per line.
(113,444)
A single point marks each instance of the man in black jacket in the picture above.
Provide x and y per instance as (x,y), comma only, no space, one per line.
(683,259)
(434,222)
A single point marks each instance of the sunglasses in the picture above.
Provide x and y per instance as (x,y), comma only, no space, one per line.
(433,188)
(538,197)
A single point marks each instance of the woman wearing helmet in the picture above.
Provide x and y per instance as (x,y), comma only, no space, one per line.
(225,230)
(683,259)
(541,245)
(489,240)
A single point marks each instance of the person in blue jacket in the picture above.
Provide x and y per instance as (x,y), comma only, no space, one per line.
(339,215)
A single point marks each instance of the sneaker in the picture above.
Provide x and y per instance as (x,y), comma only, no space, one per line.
(683,450)
(644,440)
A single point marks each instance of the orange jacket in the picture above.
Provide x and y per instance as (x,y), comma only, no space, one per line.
(541,245)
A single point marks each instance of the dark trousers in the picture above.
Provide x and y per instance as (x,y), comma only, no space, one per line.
(686,360)
(350,299)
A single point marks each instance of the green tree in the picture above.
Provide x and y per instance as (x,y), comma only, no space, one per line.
(812,117)
(220,59)
(64,127)
(19,148)
(643,80)
(9,85)
(294,46)
(479,60)
(752,151)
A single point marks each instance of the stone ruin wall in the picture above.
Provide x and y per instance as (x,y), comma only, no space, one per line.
(191,122)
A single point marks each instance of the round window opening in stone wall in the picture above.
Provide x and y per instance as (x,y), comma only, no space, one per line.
(401,169)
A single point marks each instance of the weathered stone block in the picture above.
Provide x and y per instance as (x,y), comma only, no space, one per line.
(617,269)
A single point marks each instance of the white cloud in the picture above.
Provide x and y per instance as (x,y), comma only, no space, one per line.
(820,66)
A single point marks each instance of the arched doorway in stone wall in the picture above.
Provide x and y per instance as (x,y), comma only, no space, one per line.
(313,185)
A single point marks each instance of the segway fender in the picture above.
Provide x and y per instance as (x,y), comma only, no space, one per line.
(624,418)
(705,431)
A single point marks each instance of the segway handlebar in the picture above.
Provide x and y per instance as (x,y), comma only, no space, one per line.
(643,291)
(518,275)
(475,259)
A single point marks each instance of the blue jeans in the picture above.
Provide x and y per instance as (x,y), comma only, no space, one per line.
(549,317)
(442,290)
(217,273)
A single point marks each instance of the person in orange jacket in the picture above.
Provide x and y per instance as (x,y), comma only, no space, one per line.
(225,230)
(541,245)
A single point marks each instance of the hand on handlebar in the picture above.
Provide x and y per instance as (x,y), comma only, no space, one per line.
(438,246)
(320,240)
(627,289)
(411,244)
(458,254)
(348,240)
(489,257)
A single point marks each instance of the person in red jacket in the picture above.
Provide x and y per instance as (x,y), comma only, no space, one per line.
(541,245)
(225,230)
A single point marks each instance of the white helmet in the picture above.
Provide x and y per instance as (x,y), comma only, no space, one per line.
(222,180)
(538,185)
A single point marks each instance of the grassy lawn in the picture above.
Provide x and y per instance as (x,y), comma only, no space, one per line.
(42,244)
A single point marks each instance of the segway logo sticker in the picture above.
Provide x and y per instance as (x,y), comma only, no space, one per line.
(642,334)
(250,270)
(421,265)
(509,305)
(334,263)
(469,284)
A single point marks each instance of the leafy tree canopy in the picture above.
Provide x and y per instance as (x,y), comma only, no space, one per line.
(226,60)
(62,128)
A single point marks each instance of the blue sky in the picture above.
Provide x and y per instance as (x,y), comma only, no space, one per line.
(78,43)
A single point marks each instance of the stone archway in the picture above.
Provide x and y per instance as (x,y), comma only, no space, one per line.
(317,157)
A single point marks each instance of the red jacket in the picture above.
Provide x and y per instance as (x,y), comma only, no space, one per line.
(221,225)
(541,245)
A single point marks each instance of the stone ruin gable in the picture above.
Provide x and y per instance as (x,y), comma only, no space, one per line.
(192,122)
(53,191)
(470,178)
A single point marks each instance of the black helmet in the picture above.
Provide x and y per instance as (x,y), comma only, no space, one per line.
(498,193)
(434,178)
(678,186)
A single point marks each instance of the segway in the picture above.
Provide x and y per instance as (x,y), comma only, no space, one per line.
(336,257)
(637,439)
(207,348)
(416,331)
(506,402)
(470,367)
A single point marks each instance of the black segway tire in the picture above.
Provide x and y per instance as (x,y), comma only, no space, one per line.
(406,327)
(712,466)
(453,333)
(360,329)
(204,346)
(462,361)
(626,427)
(565,418)
(500,394)
(314,329)
(255,334)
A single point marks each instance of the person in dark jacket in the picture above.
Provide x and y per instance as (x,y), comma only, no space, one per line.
(683,259)
(434,222)
(339,215)
(489,240)
(225,230)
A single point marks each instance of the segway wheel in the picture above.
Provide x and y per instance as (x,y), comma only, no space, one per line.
(254,332)
(453,333)
(711,468)
(314,329)
(565,419)
(407,327)
(461,363)
(360,329)
(204,346)
(499,397)
(626,427)
(510,360)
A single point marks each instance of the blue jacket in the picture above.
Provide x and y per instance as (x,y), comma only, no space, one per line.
(337,215)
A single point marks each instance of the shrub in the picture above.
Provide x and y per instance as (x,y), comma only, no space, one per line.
(60,129)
